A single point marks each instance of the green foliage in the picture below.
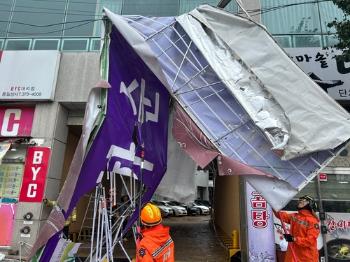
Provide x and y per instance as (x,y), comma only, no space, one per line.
(343,28)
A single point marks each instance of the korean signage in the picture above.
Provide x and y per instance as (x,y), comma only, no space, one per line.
(260,227)
(16,121)
(28,75)
(34,176)
(330,72)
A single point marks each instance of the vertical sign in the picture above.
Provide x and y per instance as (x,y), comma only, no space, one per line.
(16,121)
(261,240)
(34,177)
(7,218)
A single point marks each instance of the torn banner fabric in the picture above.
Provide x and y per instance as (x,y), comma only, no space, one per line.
(137,101)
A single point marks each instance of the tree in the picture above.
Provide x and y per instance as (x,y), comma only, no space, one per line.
(343,28)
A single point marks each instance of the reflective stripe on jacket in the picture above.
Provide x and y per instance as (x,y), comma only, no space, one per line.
(155,245)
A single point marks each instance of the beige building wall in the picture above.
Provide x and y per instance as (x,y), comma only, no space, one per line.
(226,205)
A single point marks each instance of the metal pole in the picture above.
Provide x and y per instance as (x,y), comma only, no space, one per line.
(322,217)
(223,3)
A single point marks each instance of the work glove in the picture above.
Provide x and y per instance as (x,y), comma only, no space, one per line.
(288,237)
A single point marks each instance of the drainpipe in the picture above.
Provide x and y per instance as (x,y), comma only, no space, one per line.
(322,216)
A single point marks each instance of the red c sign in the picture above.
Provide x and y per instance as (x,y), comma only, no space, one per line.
(34,177)
(16,121)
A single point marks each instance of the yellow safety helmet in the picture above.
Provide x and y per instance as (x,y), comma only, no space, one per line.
(150,215)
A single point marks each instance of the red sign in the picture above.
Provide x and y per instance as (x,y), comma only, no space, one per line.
(323,177)
(259,214)
(16,121)
(34,176)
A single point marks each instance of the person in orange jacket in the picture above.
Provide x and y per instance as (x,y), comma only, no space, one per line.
(304,231)
(155,242)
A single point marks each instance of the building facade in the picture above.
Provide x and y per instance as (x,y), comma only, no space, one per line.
(72,29)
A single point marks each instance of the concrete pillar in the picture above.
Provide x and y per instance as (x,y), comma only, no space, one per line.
(50,125)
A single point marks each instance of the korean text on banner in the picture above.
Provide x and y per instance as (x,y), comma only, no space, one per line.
(34,176)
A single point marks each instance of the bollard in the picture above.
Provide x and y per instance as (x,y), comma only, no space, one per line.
(235,241)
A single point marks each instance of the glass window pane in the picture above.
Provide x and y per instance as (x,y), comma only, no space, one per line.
(1,44)
(329,11)
(75,45)
(46,44)
(30,12)
(188,5)
(5,9)
(113,5)
(301,17)
(80,18)
(151,7)
(18,44)
(283,41)
(331,40)
(95,45)
(307,41)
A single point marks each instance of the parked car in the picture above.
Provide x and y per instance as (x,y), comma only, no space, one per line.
(191,210)
(202,202)
(204,209)
(165,210)
(178,210)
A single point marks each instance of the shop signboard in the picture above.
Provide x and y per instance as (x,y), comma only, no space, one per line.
(326,68)
(261,244)
(338,236)
(34,176)
(323,177)
(28,75)
(16,121)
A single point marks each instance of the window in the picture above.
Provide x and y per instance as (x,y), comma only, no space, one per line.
(1,44)
(74,44)
(18,44)
(329,11)
(28,13)
(5,13)
(46,44)
(189,5)
(80,18)
(114,6)
(95,44)
(151,7)
(307,41)
(283,41)
(300,18)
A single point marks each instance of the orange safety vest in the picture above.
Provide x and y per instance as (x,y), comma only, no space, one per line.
(155,245)
(304,227)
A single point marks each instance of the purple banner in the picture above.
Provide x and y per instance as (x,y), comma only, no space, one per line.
(137,103)
(261,244)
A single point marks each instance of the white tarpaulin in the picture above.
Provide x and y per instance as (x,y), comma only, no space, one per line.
(283,81)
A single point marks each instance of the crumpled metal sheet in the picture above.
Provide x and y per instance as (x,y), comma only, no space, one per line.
(316,121)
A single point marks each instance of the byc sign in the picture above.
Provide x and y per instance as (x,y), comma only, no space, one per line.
(34,177)
(16,121)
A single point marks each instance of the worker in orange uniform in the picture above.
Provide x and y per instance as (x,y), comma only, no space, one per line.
(155,242)
(304,231)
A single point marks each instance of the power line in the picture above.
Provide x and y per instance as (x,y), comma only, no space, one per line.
(51,32)
(253,12)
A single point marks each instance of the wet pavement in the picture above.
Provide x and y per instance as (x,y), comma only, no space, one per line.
(194,239)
